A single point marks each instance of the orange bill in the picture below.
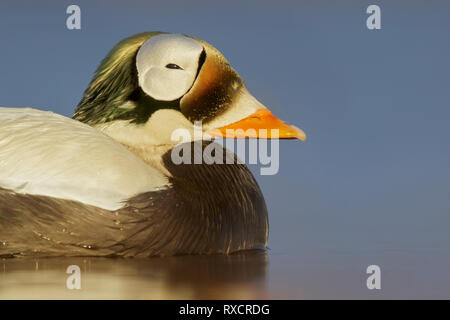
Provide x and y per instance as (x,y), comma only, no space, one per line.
(259,125)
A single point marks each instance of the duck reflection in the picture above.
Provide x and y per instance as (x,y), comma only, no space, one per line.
(238,276)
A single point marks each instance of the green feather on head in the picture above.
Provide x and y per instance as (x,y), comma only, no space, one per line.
(114,92)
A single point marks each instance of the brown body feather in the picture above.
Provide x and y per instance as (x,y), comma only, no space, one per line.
(208,209)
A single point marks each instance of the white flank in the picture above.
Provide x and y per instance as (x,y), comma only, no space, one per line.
(43,153)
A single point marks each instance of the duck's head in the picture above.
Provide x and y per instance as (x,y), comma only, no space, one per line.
(153,83)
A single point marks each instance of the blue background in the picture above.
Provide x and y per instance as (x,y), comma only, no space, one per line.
(370,186)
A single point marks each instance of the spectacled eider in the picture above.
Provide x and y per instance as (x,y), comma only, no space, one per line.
(103,183)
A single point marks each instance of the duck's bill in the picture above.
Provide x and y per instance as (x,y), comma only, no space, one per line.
(262,125)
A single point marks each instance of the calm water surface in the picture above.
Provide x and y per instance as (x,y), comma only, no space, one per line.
(323,274)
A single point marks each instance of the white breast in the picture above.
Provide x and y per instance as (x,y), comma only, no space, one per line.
(43,153)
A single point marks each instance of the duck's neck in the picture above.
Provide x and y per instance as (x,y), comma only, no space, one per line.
(140,140)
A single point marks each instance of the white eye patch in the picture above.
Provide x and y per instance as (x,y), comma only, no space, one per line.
(167,65)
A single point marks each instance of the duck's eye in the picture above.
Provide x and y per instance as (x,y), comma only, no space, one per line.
(173,66)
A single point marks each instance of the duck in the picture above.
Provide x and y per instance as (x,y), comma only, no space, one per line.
(104,183)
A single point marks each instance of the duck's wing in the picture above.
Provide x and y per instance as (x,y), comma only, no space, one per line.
(42,153)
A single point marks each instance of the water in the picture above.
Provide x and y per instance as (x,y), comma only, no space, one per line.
(184,277)
(317,274)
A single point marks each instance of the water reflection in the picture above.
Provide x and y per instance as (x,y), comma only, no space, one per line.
(239,276)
